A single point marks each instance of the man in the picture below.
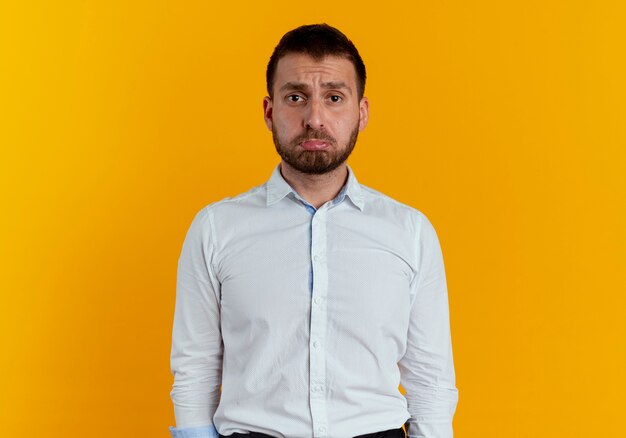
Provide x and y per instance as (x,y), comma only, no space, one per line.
(310,298)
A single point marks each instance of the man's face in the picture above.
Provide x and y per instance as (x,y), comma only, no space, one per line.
(315,114)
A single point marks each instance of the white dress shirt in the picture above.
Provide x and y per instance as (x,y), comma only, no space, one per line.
(310,318)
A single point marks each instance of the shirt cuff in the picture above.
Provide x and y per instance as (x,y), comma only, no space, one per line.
(194,432)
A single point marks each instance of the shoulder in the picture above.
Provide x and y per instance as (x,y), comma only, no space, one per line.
(378,203)
(229,208)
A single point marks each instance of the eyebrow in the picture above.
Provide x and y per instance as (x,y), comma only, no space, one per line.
(300,86)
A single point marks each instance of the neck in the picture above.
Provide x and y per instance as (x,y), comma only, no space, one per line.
(315,189)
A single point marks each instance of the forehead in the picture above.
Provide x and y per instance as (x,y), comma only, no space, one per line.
(303,68)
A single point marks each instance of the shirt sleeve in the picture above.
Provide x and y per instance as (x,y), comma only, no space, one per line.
(197,349)
(427,368)
(194,432)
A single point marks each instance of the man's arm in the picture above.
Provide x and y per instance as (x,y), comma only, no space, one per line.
(427,368)
(196,355)
(194,432)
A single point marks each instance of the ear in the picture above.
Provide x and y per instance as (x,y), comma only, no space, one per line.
(267,112)
(364,113)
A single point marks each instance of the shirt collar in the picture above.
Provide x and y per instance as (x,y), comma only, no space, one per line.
(278,188)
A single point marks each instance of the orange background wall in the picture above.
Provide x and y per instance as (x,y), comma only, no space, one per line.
(504,122)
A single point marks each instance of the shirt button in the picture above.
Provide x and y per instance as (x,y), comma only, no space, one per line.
(316,258)
(316,344)
(321,429)
(316,300)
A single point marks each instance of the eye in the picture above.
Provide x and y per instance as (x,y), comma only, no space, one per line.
(295,98)
(335,98)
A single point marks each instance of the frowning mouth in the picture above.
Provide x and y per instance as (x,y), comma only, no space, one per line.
(314,145)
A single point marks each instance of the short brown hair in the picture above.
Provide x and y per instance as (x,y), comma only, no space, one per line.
(317,41)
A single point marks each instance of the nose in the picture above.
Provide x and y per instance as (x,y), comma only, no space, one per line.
(314,118)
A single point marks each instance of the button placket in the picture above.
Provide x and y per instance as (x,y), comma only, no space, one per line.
(317,345)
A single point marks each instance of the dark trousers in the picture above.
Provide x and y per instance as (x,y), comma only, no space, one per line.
(391,433)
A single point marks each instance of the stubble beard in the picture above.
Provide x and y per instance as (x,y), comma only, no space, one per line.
(314,162)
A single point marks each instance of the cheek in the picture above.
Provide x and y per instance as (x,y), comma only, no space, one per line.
(285,130)
(286,120)
(346,125)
